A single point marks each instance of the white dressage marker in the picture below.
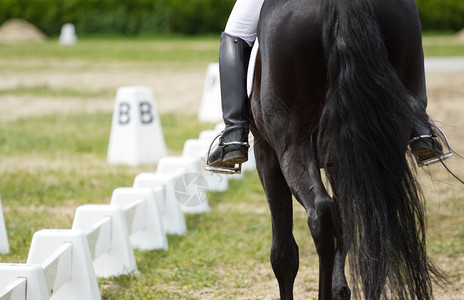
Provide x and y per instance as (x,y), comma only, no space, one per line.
(15,290)
(68,34)
(164,186)
(4,245)
(23,281)
(136,134)
(210,108)
(191,186)
(143,218)
(250,165)
(66,262)
(119,256)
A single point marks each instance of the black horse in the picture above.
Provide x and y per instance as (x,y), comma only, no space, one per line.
(336,87)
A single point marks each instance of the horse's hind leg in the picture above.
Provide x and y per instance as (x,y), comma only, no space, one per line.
(304,179)
(284,251)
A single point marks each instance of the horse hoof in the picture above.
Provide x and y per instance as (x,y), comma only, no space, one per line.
(342,293)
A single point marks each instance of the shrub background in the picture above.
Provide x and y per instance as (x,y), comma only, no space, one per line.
(128,17)
(441,14)
(139,17)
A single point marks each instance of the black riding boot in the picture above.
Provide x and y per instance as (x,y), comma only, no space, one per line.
(234,55)
(424,143)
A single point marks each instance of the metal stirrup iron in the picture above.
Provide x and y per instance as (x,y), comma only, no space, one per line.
(227,170)
(439,158)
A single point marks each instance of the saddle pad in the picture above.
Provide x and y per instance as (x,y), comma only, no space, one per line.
(251,68)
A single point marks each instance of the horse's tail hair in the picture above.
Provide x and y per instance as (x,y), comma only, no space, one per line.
(365,117)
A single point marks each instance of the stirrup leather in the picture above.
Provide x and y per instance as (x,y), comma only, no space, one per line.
(447,151)
(227,170)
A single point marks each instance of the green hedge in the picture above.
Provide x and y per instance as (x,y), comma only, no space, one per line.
(441,14)
(132,17)
(128,17)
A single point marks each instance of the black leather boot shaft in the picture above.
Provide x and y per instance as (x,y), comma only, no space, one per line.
(424,145)
(234,55)
(419,130)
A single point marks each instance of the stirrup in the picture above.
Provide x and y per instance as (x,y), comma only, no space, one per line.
(441,136)
(232,170)
(227,170)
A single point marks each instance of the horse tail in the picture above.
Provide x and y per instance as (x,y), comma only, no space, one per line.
(363,131)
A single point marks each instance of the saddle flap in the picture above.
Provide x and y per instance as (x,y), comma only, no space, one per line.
(251,68)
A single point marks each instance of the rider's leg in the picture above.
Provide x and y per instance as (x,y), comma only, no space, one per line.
(243,20)
(234,55)
(424,144)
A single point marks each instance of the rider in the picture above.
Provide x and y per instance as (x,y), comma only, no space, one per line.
(234,54)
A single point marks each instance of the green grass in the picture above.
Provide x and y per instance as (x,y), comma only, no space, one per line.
(48,91)
(64,133)
(175,51)
(447,45)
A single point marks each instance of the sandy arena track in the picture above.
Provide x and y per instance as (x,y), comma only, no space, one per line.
(174,90)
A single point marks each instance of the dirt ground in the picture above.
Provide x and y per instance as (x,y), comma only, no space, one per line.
(180,91)
(174,90)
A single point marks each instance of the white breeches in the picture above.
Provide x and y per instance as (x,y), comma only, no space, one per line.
(243,20)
